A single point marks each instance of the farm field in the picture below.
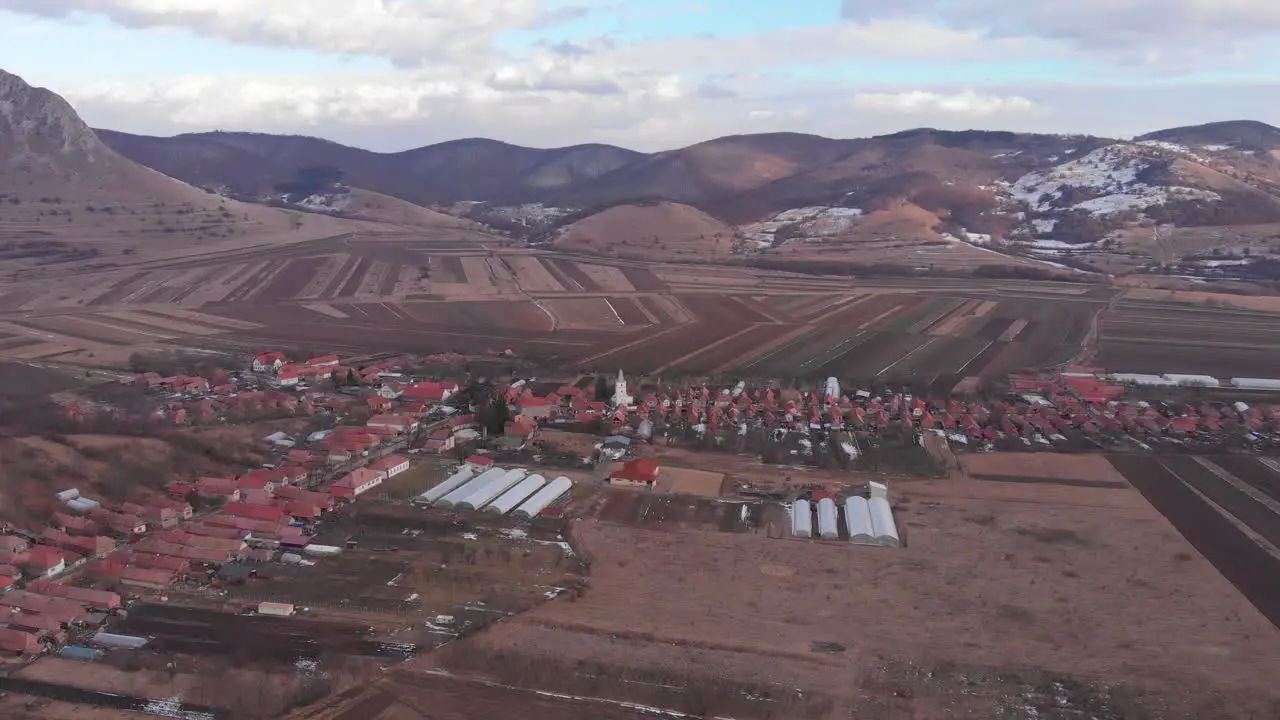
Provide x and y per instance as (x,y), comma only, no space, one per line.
(1152,337)
(1205,509)
(374,292)
(996,576)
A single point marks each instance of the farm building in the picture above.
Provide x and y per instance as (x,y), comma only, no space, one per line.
(802,519)
(275,608)
(459,493)
(122,642)
(449,484)
(828,522)
(485,494)
(1256,384)
(523,490)
(96,599)
(16,641)
(354,483)
(390,466)
(636,473)
(857,517)
(543,499)
(399,423)
(269,361)
(882,523)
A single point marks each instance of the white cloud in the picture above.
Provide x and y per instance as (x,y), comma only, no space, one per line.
(407,30)
(967,102)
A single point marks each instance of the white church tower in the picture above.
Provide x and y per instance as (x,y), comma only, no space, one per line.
(620,396)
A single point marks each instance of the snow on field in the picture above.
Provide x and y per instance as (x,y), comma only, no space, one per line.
(1112,171)
(816,221)
(330,202)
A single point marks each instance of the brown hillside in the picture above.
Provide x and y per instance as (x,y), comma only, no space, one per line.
(658,230)
(66,197)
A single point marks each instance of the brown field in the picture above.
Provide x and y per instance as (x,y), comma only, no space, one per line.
(1000,584)
(398,292)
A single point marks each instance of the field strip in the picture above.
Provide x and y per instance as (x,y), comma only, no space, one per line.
(917,349)
(635,343)
(613,310)
(155,322)
(779,341)
(1013,330)
(945,324)
(1240,485)
(327,310)
(199,317)
(759,307)
(39,350)
(881,316)
(834,307)
(340,276)
(960,370)
(44,335)
(794,337)
(128,330)
(844,347)
(705,348)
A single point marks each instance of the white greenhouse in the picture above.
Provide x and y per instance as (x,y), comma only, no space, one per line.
(451,483)
(828,519)
(802,519)
(460,493)
(542,499)
(857,517)
(485,494)
(523,490)
(882,524)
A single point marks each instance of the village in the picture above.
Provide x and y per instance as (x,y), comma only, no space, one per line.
(72,574)
(383,454)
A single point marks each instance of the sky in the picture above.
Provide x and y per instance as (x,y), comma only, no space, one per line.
(390,75)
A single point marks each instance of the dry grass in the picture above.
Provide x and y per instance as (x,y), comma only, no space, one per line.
(660,230)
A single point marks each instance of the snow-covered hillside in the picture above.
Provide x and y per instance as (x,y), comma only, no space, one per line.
(1104,182)
(805,223)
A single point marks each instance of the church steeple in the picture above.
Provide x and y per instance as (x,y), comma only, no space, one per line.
(620,396)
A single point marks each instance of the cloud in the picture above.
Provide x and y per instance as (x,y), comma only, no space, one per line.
(1179,36)
(967,102)
(405,30)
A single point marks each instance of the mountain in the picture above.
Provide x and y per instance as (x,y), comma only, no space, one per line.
(1237,134)
(1192,199)
(251,165)
(65,196)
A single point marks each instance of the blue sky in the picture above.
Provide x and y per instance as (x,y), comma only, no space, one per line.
(654,74)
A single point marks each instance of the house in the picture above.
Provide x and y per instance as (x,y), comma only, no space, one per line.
(161,517)
(147,579)
(378,403)
(390,466)
(218,489)
(269,361)
(479,463)
(261,479)
(180,508)
(440,440)
(96,599)
(13,544)
(399,423)
(324,361)
(431,391)
(17,641)
(43,562)
(357,482)
(74,525)
(9,572)
(323,501)
(7,582)
(256,512)
(288,378)
(636,473)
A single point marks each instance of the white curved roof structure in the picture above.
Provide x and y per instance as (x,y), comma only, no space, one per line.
(450,484)
(857,517)
(456,495)
(828,520)
(523,490)
(801,519)
(485,494)
(882,524)
(544,497)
